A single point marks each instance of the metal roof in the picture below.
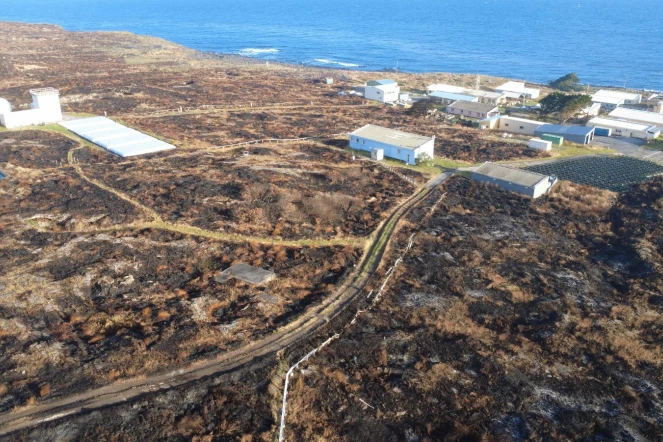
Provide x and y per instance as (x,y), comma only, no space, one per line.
(115,137)
(521,120)
(604,93)
(391,136)
(638,116)
(619,124)
(560,129)
(516,86)
(453,96)
(607,99)
(510,174)
(472,106)
(383,82)
(464,91)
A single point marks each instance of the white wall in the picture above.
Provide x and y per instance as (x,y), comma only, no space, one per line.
(50,107)
(384,94)
(30,117)
(543,187)
(398,153)
(45,110)
(520,127)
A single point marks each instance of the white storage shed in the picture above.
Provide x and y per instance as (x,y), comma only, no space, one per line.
(626,129)
(385,91)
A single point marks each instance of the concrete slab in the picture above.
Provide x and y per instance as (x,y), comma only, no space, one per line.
(246,273)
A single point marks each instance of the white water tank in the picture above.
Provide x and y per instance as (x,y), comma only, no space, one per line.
(5,106)
(537,143)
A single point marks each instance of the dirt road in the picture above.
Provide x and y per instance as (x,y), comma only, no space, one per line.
(303,327)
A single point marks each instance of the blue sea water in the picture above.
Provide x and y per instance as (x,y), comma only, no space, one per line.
(607,42)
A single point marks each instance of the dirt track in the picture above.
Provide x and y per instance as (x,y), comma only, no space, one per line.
(292,333)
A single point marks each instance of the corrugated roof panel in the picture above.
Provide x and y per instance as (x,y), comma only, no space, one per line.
(453,96)
(560,129)
(510,174)
(391,136)
(115,137)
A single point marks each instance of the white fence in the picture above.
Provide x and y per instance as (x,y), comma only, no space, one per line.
(247,105)
(283,140)
(376,299)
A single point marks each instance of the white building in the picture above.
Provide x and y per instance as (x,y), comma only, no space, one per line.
(613,99)
(473,109)
(625,128)
(591,111)
(512,124)
(385,91)
(517,90)
(527,183)
(45,109)
(395,144)
(638,116)
(494,98)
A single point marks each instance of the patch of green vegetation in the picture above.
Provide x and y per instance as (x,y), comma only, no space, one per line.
(576,150)
(655,144)
(438,165)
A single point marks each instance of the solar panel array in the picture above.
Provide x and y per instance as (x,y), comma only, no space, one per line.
(616,173)
(116,138)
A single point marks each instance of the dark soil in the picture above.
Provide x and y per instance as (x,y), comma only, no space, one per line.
(509,320)
(287,197)
(108,306)
(34,149)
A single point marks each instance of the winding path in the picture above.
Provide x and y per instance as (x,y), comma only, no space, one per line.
(306,325)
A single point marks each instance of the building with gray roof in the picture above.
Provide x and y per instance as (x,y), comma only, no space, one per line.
(472,109)
(521,181)
(396,144)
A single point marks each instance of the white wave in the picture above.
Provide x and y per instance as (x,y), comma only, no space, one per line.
(340,63)
(253,52)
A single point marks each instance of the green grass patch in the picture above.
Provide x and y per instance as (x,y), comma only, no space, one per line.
(655,144)
(576,150)
(439,164)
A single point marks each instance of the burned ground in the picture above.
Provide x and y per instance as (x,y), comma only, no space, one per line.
(58,200)
(34,149)
(227,127)
(474,146)
(105,306)
(287,192)
(504,322)
(509,320)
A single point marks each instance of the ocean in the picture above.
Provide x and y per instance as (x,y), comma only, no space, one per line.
(606,42)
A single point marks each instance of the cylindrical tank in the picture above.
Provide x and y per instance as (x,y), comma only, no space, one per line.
(5,106)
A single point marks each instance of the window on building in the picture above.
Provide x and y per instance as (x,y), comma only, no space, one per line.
(506,124)
(364,142)
(522,127)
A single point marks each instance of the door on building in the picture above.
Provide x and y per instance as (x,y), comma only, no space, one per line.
(408,158)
